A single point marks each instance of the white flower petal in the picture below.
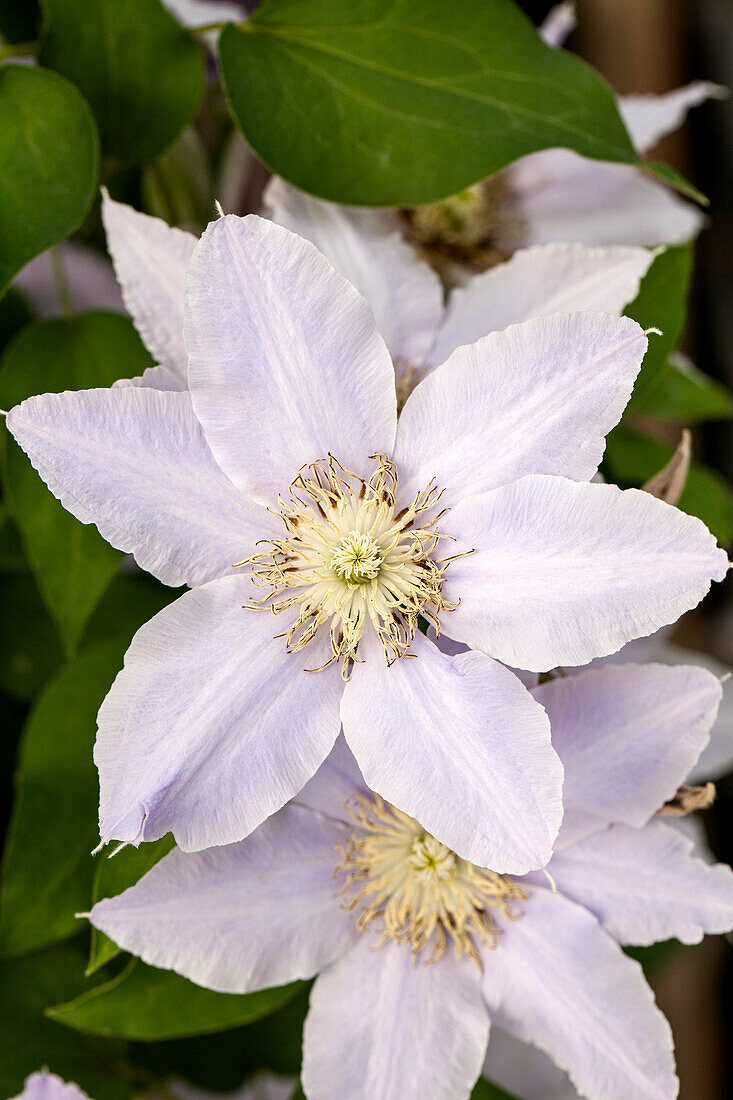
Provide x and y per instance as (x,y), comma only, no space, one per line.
(240,917)
(211,726)
(151,259)
(538,398)
(459,744)
(155,378)
(335,783)
(134,462)
(559,23)
(366,247)
(565,571)
(89,276)
(199,13)
(523,1070)
(644,885)
(286,365)
(557,980)
(560,196)
(380,1027)
(649,118)
(47,1086)
(628,736)
(535,282)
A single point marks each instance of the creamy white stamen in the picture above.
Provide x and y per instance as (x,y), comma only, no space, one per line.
(417,889)
(352,561)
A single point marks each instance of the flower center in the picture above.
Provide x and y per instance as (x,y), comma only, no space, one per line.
(357,558)
(419,891)
(468,228)
(351,561)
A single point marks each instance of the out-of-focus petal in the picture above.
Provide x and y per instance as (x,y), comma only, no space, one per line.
(366,247)
(559,23)
(649,118)
(551,278)
(560,196)
(628,736)
(644,885)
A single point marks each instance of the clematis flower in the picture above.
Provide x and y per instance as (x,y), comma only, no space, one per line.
(416,949)
(317,534)
(47,1086)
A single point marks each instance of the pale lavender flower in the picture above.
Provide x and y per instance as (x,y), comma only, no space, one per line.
(339,873)
(214,724)
(47,1086)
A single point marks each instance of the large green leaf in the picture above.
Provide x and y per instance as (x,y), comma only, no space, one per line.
(47,869)
(149,1004)
(29,647)
(632,458)
(661,303)
(71,561)
(49,163)
(114,874)
(397,103)
(682,392)
(15,313)
(30,1041)
(140,70)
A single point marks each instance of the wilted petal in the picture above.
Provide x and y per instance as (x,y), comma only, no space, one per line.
(557,980)
(47,1086)
(134,462)
(551,278)
(151,259)
(211,726)
(537,398)
(565,571)
(560,196)
(628,736)
(378,1026)
(365,246)
(649,118)
(243,916)
(459,744)
(286,363)
(644,885)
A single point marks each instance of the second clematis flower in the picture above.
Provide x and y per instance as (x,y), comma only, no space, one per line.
(319,535)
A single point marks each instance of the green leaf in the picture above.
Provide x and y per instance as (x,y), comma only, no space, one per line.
(11,548)
(48,869)
(682,392)
(661,303)
(149,1004)
(632,458)
(29,645)
(71,561)
(128,603)
(487,1090)
(15,313)
(140,70)
(50,163)
(397,103)
(669,175)
(31,1041)
(655,957)
(177,187)
(114,874)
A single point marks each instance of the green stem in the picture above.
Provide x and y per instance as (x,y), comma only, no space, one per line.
(61,281)
(17,49)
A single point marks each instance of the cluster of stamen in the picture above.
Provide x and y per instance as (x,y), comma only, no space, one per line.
(419,891)
(350,560)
